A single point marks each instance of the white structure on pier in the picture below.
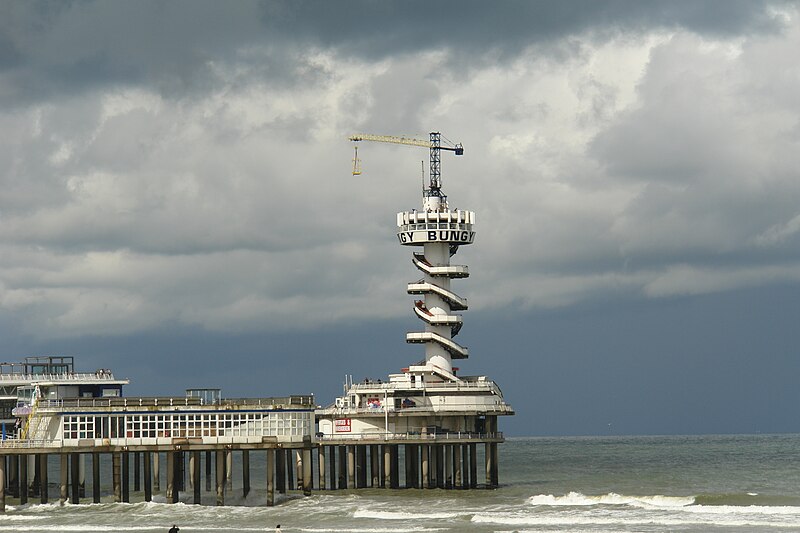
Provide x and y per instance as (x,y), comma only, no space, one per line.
(427,403)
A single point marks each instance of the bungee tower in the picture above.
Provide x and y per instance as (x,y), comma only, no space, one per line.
(427,414)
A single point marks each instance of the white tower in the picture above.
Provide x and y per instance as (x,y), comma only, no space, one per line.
(439,232)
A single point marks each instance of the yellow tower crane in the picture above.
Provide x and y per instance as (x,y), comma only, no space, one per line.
(434,143)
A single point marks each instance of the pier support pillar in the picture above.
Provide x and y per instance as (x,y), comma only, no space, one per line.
(308,476)
(148,477)
(270,477)
(245,473)
(457,477)
(425,467)
(334,480)
(298,468)
(171,490)
(115,476)
(194,476)
(13,478)
(342,467)
(473,465)
(156,472)
(229,469)
(95,477)
(448,466)
(208,471)
(351,466)
(64,481)
(23,480)
(387,466)
(2,483)
(137,468)
(43,481)
(82,475)
(374,466)
(126,477)
(395,474)
(290,468)
(280,470)
(361,466)
(440,479)
(321,467)
(75,474)
(220,478)
(491,465)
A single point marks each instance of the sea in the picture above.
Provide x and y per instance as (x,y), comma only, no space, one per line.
(714,483)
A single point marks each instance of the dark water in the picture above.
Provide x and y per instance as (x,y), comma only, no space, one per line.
(590,484)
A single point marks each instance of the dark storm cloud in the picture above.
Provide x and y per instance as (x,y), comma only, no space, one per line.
(56,48)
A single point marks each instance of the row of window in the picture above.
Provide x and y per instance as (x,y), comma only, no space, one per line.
(412,227)
(283,423)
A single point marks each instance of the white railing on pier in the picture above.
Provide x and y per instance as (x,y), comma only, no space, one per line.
(68,376)
(454,435)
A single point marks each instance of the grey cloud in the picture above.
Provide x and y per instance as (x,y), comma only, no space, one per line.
(171,45)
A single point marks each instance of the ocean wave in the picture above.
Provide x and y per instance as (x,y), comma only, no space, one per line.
(402,515)
(747,499)
(577,499)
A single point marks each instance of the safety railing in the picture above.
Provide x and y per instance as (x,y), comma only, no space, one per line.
(411,435)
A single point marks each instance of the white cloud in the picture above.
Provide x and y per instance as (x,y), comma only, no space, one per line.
(627,165)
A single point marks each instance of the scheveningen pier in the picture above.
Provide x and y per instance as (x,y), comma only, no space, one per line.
(423,427)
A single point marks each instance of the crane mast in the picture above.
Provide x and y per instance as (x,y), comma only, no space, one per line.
(435,199)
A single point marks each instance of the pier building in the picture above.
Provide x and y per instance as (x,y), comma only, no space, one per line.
(426,416)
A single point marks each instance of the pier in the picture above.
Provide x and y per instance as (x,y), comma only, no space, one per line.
(145,435)
(424,427)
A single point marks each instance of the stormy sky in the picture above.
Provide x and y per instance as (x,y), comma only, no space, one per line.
(177,203)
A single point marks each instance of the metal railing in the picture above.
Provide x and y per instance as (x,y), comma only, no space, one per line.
(69,376)
(411,435)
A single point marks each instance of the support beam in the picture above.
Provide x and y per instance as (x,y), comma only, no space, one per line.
(342,467)
(457,477)
(307,472)
(245,473)
(13,475)
(229,469)
(148,477)
(2,483)
(43,481)
(374,466)
(194,463)
(220,478)
(75,473)
(208,471)
(321,466)
(95,477)
(290,468)
(64,482)
(425,467)
(280,470)
(351,466)
(82,475)
(156,472)
(171,489)
(270,477)
(23,480)
(448,466)
(387,466)
(440,479)
(116,461)
(473,465)
(137,468)
(126,477)
(334,479)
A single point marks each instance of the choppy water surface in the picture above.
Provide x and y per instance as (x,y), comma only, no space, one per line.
(591,484)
